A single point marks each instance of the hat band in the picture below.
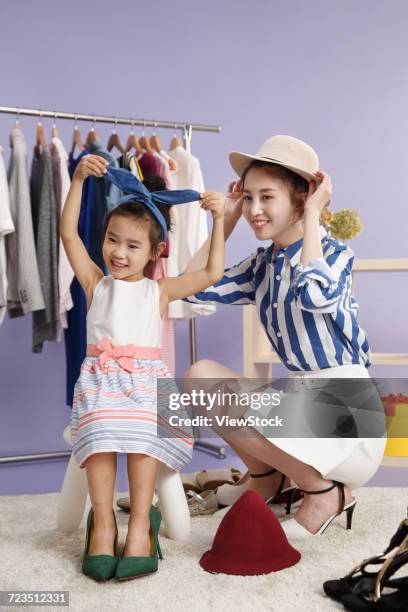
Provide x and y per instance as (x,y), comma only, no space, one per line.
(271,159)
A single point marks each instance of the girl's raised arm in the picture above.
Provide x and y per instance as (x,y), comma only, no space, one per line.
(176,288)
(85,269)
(233,212)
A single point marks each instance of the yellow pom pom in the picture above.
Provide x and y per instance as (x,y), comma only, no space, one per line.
(345,224)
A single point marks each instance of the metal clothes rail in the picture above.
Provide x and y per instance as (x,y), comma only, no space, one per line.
(16,110)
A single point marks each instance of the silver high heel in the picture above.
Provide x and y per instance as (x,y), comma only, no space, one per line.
(293,529)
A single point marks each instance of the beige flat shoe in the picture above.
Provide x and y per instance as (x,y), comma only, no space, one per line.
(214,478)
(210,479)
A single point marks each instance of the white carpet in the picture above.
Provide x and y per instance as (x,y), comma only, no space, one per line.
(34,556)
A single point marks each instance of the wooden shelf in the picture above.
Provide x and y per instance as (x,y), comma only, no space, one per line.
(389,358)
(380,265)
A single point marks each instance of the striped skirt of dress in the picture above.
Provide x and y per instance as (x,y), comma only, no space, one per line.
(115,410)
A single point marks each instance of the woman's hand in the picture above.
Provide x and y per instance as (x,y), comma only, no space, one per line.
(320,192)
(214,201)
(90,165)
(234,199)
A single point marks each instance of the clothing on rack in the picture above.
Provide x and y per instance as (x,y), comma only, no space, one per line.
(6,227)
(46,234)
(24,287)
(128,161)
(190,230)
(62,184)
(135,168)
(109,192)
(167,157)
(164,170)
(149,164)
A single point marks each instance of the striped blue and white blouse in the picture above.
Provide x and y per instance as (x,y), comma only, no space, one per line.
(309,314)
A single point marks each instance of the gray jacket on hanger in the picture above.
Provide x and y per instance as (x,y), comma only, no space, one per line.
(24,292)
(45,223)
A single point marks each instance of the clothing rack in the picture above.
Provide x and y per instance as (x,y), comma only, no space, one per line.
(199,127)
(187,128)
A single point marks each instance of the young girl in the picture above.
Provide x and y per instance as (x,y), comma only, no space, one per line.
(301,286)
(115,407)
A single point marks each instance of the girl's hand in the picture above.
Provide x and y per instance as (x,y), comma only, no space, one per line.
(214,201)
(320,192)
(90,165)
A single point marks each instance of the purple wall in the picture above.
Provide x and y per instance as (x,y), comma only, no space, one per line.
(333,74)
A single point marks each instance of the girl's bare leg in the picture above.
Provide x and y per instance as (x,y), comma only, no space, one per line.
(315,509)
(101,476)
(142,472)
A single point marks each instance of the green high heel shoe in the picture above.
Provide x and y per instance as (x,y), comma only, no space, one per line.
(136,567)
(99,567)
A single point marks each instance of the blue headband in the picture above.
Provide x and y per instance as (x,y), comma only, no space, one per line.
(135,190)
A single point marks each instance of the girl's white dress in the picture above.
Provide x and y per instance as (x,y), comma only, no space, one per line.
(115,397)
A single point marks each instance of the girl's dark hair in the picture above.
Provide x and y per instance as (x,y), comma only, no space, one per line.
(154,183)
(137,210)
(294,182)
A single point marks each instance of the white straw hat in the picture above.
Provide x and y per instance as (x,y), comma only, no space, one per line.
(286,151)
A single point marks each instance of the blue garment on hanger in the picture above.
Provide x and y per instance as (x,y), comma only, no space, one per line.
(98,196)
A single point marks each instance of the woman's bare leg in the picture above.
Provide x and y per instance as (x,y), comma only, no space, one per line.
(101,476)
(142,472)
(315,509)
(265,486)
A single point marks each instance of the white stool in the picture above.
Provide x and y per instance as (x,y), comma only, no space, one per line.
(173,503)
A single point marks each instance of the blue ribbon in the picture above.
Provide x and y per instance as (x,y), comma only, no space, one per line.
(136,191)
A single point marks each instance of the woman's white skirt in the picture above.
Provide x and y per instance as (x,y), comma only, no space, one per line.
(352,461)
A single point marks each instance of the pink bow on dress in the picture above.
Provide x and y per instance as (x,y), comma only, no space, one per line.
(123,353)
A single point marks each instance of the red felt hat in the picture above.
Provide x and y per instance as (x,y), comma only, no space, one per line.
(249,541)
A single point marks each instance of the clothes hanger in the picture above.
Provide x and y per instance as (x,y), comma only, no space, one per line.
(54,131)
(133,142)
(114,141)
(188,130)
(18,119)
(156,146)
(155,140)
(40,137)
(144,143)
(172,164)
(92,135)
(76,139)
(174,142)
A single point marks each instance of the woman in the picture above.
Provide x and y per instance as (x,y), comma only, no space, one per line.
(301,285)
